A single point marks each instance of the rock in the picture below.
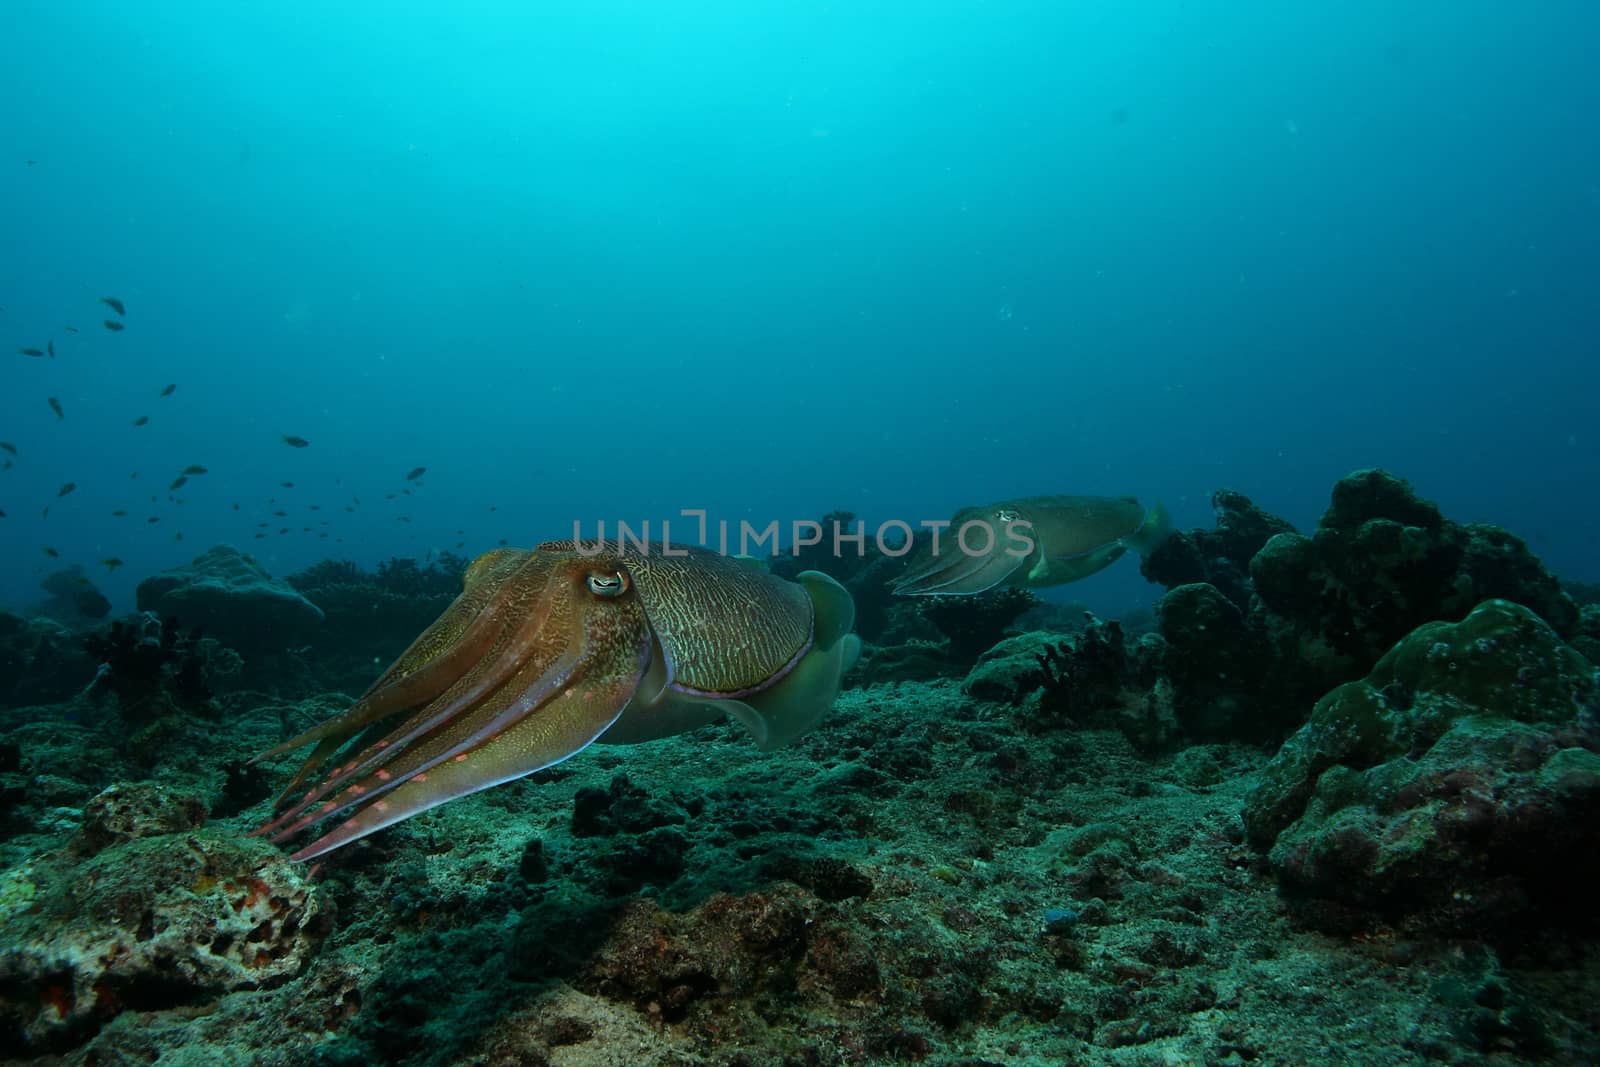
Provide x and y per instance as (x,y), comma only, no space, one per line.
(234,599)
(1251,651)
(130,810)
(975,624)
(1586,635)
(1214,661)
(42,661)
(1011,669)
(1455,789)
(1383,562)
(1219,556)
(147,924)
(915,661)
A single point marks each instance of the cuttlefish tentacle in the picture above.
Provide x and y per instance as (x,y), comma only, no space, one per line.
(515,640)
(1033,542)
(528,724)
(548,651)
(433,662)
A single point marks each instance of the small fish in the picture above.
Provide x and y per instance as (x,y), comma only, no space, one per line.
(179,482)
(65,489)
(31,351)
(195,468)
(388,496)
(50,347)
(135,474)
(287,485)
(259,536)
(178,536)
(402,518)
(416,472)
(494,507)
(55,406)
(236,507)
(9,447)
(111,563)
(284,530)
(281,514)
(70,329)
(314,507)
(295,442)
(119,513)
(114,326)
(153,519)
(2,513)
(45,514)
(141,420)
(114,304)
(52,553)
(169,390)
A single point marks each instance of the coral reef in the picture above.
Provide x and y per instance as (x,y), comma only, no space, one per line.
(973,624)
(1219,557)
(1384,561)
(1080,848)
(154,668)
(163,918)
(1249,657)
(370,617)
(1093,679)
(234,599)
(1454,790)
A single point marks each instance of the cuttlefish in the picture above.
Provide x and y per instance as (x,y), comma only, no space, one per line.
(1032,542)
(550,650)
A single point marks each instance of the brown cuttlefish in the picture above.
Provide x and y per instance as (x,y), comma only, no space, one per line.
(548,651)
(1032,542)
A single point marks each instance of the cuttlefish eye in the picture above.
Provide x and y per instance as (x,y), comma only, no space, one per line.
(612,584)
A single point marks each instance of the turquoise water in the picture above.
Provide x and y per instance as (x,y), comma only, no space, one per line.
(608,260)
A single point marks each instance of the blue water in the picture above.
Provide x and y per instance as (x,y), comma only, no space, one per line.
(609,260)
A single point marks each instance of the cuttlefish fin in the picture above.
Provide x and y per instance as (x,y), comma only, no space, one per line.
(797,703)
(1156,528)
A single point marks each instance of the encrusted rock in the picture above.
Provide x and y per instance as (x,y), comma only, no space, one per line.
(1456,788)
(1221,555)
(130,810)
(234,598)
(147,924)
(1384,561)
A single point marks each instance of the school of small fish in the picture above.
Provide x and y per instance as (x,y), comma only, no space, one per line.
(183,478)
